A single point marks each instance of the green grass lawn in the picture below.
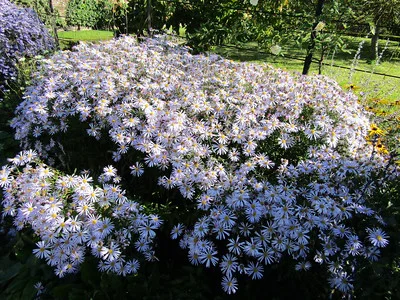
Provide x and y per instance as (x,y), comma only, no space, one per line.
(370,84)
(69,38)
(86,35)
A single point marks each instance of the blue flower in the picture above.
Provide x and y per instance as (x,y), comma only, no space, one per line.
(377,237)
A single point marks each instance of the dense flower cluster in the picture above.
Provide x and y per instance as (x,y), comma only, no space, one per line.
(70,216)
(21,34)
(278,164)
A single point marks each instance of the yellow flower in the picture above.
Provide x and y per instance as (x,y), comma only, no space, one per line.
(370,108)
(383,101)
(382,113)
(351,86)
(375,130)
(380,148)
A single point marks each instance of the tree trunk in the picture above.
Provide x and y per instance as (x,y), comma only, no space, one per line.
(149,12)
(374,42)
(321,60)
(53,23)
(114,24)
(126,22)
(310,50)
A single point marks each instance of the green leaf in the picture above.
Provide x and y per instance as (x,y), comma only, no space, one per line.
(29,291)
(89,273)
(66,291)
(17,285)
(12,269)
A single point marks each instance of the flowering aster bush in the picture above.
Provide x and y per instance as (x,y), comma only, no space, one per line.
(70,216)
(21,34)
(277,165)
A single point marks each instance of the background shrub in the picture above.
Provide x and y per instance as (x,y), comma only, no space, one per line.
(88,13)
(42,8)
(22,34)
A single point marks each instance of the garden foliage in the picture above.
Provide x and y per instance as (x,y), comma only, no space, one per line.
(21,34)
(42,8)
(89,13)
(273,165)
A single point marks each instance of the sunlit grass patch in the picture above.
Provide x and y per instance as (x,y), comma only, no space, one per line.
(363,75)
(86,35)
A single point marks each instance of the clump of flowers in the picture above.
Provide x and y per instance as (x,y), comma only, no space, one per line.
(277,164)
(387,135)
(375,137)
(71,217)
(21,34)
